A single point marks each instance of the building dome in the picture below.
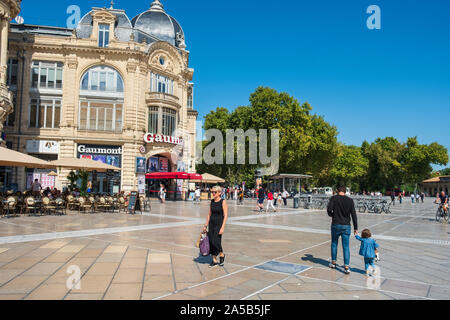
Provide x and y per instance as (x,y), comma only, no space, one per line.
(156,23)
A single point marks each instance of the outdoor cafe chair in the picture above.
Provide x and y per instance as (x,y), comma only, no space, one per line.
(102,204)
(110,202)
(85,204)
(10,206)
(48,205)
(72,203)
(60,207)
(122,204)
(93,203)
(31,206)
(145,204)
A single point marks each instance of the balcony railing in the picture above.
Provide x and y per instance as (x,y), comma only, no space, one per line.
(162,97)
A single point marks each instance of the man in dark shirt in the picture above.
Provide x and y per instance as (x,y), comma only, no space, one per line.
(444,201)
(342,209)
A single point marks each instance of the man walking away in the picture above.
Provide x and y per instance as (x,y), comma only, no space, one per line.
(342,209)
(393,197)
(285,195)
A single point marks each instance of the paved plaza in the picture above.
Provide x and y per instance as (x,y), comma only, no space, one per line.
(281,256)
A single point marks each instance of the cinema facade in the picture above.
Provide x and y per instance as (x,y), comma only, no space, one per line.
(114,90)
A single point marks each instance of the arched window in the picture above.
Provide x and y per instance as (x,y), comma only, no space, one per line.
(102,79)
(101,100)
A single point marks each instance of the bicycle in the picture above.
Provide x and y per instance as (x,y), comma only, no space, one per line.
(441,213)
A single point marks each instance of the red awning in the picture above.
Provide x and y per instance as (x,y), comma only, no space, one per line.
(167,176)
(195,176)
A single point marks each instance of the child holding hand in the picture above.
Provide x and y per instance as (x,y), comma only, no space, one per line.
(369,250)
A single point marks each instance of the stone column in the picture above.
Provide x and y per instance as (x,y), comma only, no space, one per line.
(4,48)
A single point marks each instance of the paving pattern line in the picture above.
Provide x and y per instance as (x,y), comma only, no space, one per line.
(321,231)
(91,232)
(362,287)
(236,272)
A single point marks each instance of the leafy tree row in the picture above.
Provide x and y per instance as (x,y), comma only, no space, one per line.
(309,144)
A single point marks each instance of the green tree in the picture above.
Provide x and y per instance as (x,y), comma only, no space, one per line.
(350,166)
(73,178)
(419,158)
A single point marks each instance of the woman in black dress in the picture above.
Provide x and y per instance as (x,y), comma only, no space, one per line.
(216,221)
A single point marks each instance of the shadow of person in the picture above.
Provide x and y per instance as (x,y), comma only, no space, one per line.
(326,263)
(312,259)
(203,259)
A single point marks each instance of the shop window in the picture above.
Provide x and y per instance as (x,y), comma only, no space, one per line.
(45,113)
(47,75)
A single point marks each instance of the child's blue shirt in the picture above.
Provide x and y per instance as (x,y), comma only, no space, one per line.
(368,247)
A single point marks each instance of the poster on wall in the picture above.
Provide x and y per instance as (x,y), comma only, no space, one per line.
(181,166)
(163,165)
(98,158)
(113,161)
(140,165)
(153,165)
(141,183)
(179,186)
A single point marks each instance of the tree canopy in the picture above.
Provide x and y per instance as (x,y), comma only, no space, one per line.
(309,145)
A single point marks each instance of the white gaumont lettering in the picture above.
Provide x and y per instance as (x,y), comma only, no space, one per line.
(83,149)
(152,138)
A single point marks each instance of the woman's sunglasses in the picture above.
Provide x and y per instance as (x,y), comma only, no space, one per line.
(215,192)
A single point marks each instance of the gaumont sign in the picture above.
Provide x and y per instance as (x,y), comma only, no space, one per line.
(159,138)
(99,150)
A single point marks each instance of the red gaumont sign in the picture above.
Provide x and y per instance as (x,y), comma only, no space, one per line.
(159,138)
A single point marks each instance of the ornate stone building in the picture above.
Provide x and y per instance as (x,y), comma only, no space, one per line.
(97,91)
(9,9)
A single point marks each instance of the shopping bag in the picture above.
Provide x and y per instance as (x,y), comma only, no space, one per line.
(204,245)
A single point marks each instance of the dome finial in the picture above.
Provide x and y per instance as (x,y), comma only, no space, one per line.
(157,6)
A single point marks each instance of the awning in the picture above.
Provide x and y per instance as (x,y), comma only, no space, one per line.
(209,178)
(11,158)
(167,176)
(195,176)
(83,164)
(173,175)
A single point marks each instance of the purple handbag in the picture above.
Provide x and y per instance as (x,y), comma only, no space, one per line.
(204,246)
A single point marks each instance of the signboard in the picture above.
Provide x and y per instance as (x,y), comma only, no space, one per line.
(141,183)
(105,154)
(151,138)
(134,203)
(42,147)
(140,165)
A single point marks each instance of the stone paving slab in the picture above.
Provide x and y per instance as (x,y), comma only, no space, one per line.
(282,256)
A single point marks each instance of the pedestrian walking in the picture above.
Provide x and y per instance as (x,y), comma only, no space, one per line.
(400,198)
(285,196)
(422,197)
(162,193)
(197,195)
(393,198)
(275,198)
(369,250)
(342,210)
(270,201)
(412,198)
(215,226)
(261,198)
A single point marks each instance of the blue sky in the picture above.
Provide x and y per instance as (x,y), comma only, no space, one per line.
(369,83)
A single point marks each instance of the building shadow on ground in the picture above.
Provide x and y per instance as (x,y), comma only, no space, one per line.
(326,263)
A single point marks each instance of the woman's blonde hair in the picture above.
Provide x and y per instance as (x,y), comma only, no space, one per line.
(217,188)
